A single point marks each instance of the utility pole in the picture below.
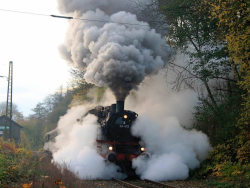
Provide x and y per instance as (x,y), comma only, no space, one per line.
(9,101)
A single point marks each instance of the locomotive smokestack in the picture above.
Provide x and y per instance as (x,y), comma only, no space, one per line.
(113,108)
(119,106)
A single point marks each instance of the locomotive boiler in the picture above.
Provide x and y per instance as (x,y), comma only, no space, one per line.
(115,142)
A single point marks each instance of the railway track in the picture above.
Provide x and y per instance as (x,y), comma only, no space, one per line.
(142,184)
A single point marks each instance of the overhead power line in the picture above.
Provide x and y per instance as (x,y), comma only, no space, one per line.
(23,12)
(70,18)
(89,20)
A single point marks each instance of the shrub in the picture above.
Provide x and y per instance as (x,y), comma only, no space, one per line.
(16,164)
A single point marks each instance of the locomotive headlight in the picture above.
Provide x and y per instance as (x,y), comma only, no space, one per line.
(143,149)
(125,116)
(110,148)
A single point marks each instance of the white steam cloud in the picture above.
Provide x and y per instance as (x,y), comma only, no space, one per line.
(75,147)
(164,117)
(118,56)
(173,149)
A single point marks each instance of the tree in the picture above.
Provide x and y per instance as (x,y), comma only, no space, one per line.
(33,132)
(40,111)
(233,17)
(150,12)
(45,117)
(80,86)
(16,114)
(194,32)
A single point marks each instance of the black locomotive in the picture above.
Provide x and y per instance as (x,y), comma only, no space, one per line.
(115,142)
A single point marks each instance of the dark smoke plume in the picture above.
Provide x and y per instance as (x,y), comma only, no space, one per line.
(115,55)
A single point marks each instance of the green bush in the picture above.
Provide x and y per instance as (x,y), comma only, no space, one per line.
(229,159)
(220,123)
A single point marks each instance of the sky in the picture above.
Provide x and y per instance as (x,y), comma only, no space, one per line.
(32,42)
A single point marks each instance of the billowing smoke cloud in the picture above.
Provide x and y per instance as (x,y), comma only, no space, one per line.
(163,116)
(174,150)
(121,56)
(118,56)
(75,148)
(156,99)
(108,6)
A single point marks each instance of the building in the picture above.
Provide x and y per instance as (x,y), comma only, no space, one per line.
(15,129)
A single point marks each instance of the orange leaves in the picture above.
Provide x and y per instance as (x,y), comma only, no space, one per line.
(59,183)
(17,164)
(27,185)
(7,147)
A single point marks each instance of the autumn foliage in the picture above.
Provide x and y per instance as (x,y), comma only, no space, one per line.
(16,164)
(217,32)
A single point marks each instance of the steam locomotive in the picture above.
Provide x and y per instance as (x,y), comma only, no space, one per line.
(115,143)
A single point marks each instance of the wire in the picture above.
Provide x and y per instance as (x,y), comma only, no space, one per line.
(23,12)
(70,18)
(104,21)
(89,20)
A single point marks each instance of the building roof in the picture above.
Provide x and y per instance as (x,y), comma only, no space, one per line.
(8,119)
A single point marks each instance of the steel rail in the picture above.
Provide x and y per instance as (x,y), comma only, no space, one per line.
(159,183)
(126,183)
